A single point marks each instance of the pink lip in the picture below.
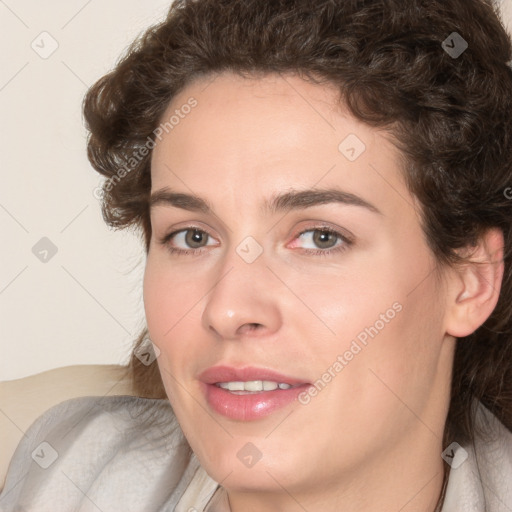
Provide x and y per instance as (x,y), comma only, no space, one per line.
(251,406)
(229,374)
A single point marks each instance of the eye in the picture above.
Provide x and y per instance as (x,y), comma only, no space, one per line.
(322,240)
(186,241)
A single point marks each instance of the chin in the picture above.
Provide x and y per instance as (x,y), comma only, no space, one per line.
(236,470)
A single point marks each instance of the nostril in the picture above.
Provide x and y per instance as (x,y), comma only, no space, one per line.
(249,327)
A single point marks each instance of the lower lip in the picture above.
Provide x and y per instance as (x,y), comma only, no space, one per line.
(251,406)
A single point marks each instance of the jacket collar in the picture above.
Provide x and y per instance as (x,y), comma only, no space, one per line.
(481,475)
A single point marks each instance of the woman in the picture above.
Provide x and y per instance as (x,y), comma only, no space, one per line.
(323,191)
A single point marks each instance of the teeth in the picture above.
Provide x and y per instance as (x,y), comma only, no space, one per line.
(253,385)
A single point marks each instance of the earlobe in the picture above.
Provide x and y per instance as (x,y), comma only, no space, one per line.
(475,286)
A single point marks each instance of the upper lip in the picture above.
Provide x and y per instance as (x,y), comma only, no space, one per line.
(216,374)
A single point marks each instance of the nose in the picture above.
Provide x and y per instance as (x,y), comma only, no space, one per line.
(244,300)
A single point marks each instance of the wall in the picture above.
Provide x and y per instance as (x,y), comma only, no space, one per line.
(82,304)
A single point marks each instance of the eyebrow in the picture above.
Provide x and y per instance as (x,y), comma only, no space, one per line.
(294,200)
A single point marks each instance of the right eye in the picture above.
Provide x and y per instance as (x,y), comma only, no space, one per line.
(191,240)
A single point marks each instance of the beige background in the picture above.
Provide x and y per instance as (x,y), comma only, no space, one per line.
(84,304)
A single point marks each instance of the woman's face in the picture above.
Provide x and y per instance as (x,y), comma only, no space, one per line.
(334,291)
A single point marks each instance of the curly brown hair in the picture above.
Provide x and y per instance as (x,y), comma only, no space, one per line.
(452,116)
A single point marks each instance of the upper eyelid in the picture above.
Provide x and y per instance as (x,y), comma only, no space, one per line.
(321,227)
(223,228)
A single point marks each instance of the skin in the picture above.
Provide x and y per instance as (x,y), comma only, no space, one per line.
(372,438)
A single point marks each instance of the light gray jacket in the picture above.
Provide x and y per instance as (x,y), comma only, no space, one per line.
(127,454)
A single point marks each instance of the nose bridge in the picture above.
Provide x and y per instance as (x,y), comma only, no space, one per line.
(242,293)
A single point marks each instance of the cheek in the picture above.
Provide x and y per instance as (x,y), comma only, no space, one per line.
(387,327)
(168,305)
(357,304)
(156,302)
(399,362)
(169,298)
(173,301)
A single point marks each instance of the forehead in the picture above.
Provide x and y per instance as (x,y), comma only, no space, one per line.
(274,112)
(253,136)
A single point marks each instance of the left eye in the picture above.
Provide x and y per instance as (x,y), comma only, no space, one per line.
(321,238)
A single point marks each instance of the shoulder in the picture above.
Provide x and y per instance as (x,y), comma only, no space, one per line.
(113,450)
(493,449)
(481,473)
(25,399)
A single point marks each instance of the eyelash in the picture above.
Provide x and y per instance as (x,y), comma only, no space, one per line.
(315,252)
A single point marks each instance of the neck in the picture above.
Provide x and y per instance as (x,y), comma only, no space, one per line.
(410,479)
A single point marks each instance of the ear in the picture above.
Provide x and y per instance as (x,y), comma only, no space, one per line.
(474,287)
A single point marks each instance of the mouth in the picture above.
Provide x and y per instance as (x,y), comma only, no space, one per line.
(253,386)
(248,394)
